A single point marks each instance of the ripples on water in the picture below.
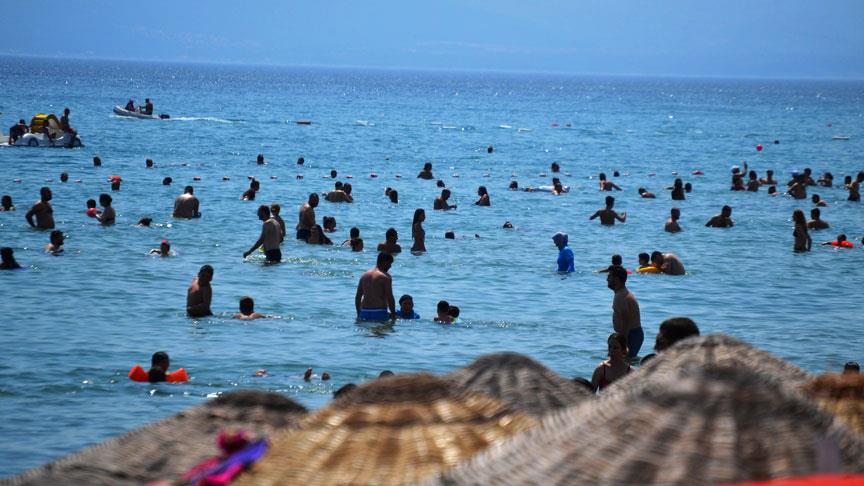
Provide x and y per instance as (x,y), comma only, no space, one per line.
(74,325)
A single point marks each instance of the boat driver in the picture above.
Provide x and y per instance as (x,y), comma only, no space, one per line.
(148,106)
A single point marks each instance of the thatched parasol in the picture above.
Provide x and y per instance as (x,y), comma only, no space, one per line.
(520,383)
(711,351)
(168,448)
(841,395)
(715,425)
(394,430)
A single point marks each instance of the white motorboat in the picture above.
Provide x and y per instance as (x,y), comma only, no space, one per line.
(120,111)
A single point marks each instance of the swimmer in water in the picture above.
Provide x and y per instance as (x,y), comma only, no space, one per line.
(644,194)
(159,364)
(55,247)
(374,295)
(186,204)
(275,209)
(669,263)
(514,186)
(607,185)
(108,216)
(394,196)
(247,310)
(260,160)
(722,220)
(608,215)
(329,224)
(64,177)
(677,190)
(555,168)
(7,259)
(644,262)
(418,234)
(672,225)
(91,212)
(317,236)
(406,308)
(355,241)
(389,245)
(855,188)
(443,313)
(797,188)
(615,366)
(270,238)
(426,173)
(768,180)
(254,187)
(617,261)
(200,293)
(738,183)
(818,201)
(625,311)
(42,211)
(441,201)
(816,223)
(840,242)
(803,242)
(565,253)
(97,162)
(338,194)
(827,180)
(307,217)
(753,183)
(453,312)
(484,196)
(6,203)
(164,249)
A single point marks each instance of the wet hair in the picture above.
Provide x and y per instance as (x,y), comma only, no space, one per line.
(6,254)
(482,191)
(91,203)
(275,208)
(443,306)
(6,200)
(148,163)
(329,222)
(206,268)
(97,161)
(390,234)
(726,209)
(841,237)
(333,173)
(602,176)
(347,188)
(440,183)
(313,195)
(852,367)
(105,199)
(449,235)
(490,149)
(338,185)
(675,212)
(394,196)
(617,260)
(752,174)
(386,373)
(427,166)
(301,161)
(620,339)
(616,174)
(618,272)
(641,190)
(188,190)
(644,257)
(610,201)
(656,255)
(167,181)
(815,198)
(417,213)
(247,305)
(445,193)
(383,257)
(678,183)
(344,390)
(815,213)
(555,167)
(406,297)
(508,225)
(798,217)
(264,209)
(514,185)
(255,184)
(453,311)
(772,189)
(160,359)
(355,232)
(676,329)
(260,159)
(64,176)
(688,187)
(56,234)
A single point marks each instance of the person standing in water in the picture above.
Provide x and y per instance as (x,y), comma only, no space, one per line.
(374,295)
(565,254)
(484,196)
(55,246)
(275,209)
(417,231)
(200,294)
(42,211)
(613,368)
(271,236)
(186,204)
(722,220)
(625,311)
(608,215)
(803,242)
(672,225)
(307,217)
(108,216)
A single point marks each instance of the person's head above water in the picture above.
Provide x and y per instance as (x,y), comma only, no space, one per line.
(6,201)
(445,194)
(726,211)
(394,196)
(391,235)
(560,239)
(815,213)
(610,201)
(167,181)
(160,360)
(673,330)
(275,208)
(675,214)
(406,304)
(443,307)
(255,185)
(481,191)
(688,187)
(188,190)
(851,368)
(56,238)
(657,258)
(644,259)
(45,194)
(165,247)
(841,238)
(419,216)
(555,167)
(247,305)
(263,212)
(384,262)
(617,260)
(260,159)
(313,199)
(427,166)
(333,173)
(205,274)
(105,199)
(798,217)
(514,185)
(354,233)
(616,277)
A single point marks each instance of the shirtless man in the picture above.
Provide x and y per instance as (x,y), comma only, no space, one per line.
(249,194)
(608,215)
(271,236)
(307,217)
(108,216)
(55,247)
(426,173)
(389,245)
(186,204)
(247,310)
(672,225)
(722,220)
(375,292)
(200,294)
(625,310)
(338,194)
(817,223)
(645,194)
(441,202)
(275,209)
(669,263)
(768,180)
(42,210)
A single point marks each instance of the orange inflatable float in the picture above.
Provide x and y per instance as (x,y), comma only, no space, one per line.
(139,374)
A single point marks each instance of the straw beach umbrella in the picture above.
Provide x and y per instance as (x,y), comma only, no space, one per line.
(520,383)
(711,351)
(394,430)
(841,395)
(711,426)
(168,448)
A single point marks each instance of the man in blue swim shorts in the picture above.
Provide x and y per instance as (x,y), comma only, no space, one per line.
(374,300)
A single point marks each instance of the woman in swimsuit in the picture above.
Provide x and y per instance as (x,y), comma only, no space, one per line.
(803,242)
(417,231)
(614,367)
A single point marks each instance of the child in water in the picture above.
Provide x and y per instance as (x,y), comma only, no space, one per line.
(91,208)
(406,308)
(443,315)
(159,364)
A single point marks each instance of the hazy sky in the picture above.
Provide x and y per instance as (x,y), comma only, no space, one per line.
(771,38)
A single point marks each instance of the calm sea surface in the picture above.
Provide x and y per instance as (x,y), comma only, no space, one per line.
(72,326)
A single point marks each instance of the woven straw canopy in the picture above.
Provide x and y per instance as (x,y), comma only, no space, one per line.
(715,425)
(841,395)
(520,383)
(394,430)
(714,350)
(167,449)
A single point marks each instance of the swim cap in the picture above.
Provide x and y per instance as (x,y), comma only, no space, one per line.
(165,242)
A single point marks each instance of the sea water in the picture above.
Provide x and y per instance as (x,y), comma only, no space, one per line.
(73,325)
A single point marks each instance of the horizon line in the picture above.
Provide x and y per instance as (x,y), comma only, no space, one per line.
(436,70)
